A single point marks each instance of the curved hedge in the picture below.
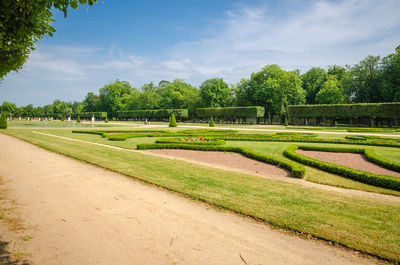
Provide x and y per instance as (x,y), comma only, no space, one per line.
(197,141)
(382,181)
(297,170)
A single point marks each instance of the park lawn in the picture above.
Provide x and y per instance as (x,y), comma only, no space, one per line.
(364,224)
(274,148)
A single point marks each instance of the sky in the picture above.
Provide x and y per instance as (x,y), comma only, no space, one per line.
(194,40)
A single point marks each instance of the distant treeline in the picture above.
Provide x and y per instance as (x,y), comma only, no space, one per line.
(373,80)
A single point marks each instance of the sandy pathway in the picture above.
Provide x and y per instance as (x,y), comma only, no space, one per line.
(356,161)
(81,214)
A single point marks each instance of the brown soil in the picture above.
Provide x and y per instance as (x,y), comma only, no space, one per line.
(229,161)
(356,161)
(81,214)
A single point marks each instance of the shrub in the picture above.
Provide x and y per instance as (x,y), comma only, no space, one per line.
(172,120)
(382,181)
(106,120)
(153,114)
(211,122)
(3,120)
(62,119)
(285,122)
(78,120)
(231,112)
(190,140)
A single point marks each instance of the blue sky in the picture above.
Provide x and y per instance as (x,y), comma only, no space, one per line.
(144,41)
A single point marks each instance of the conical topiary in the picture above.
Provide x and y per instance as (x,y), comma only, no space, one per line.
(211,124)
(78,120)
(172,120)
(3,120)
(285,122)
(106,120)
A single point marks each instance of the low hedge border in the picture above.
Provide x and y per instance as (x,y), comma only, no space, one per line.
(297,170)
(382,181)
(178,141)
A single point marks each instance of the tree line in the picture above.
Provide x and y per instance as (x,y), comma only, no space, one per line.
(372,80)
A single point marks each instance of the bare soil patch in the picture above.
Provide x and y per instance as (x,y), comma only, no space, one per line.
(81,214)
(230,161)
(356,161)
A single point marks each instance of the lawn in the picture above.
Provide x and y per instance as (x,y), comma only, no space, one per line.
(367,225)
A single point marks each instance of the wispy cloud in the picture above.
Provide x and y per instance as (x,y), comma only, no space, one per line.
(244,40)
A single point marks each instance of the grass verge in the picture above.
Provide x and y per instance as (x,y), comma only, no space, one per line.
(367,225)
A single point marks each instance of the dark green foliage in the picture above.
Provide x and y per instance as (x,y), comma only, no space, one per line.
(208,131)
(3,120)
(62,119)
(377,110)
(211,124)
(298,171)
(192,141)
(106,120)
(231,112)
(153,114)
(285,122)
(78,120)
(382,181)
(89,115)
(172,121)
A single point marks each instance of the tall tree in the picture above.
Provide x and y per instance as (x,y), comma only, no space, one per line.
(331,92)
(313,80)
(390,77)
(90,103)
(215,93)
(113,97)
(22,24)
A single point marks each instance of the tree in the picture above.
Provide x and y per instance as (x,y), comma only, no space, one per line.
(90,103)
(172,120)
(22,24)
(313,80)
(390,67)
(114,96)
(215,93)
(3,120)
(9,107)
(331,92)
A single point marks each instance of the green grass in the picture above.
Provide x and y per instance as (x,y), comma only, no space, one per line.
(367,225)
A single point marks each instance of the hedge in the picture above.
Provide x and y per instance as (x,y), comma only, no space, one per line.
(203,141)
(152,114)
(382,181)
(231,112)
(369,110)
(297,171)
(89,115)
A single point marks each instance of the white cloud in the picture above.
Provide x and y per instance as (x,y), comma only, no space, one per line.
(245,39)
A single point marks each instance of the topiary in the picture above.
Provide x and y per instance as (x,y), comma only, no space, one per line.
(211,124)
(62,119)
(106,120)
(3,121)
(285,122)
(172,120)
(78,120)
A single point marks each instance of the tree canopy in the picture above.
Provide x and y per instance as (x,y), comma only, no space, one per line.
(22,24)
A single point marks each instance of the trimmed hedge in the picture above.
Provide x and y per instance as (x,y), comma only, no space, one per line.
(89,115)
(3,120)
(204,141)
(297,171)
(152,114)
(382,181)
(369,110)
(231,112)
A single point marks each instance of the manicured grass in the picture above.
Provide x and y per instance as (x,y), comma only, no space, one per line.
(367,225)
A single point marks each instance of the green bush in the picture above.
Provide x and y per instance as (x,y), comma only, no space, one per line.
(193,141)
(3,120)
(106,120)
(297,171)
(382,181)
(231,112)
(211,124)
(89,115)
(62,119)
(153,114)
(172,120)
(78,120)
(366,110)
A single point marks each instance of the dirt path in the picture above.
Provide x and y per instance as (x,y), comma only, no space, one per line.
(81,214)
(356,161)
